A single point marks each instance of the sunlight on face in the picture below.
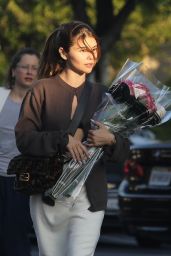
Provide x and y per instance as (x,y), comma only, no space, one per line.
(83,54)
(88,44)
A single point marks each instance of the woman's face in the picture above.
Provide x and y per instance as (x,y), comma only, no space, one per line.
(26,70)
(82,55)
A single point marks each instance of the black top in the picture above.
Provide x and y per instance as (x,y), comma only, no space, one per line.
(43,123)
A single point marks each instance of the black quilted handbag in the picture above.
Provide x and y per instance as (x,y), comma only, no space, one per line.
(35,174)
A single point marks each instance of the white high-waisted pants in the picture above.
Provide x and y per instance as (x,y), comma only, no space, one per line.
(66,229)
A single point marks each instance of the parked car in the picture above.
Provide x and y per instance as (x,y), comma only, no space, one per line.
(143,137)
(115,175)
(145,193)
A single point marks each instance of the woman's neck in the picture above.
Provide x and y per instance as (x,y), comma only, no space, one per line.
(17,94)
(72,78)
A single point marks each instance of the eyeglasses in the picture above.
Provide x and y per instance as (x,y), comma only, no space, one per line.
(25,68)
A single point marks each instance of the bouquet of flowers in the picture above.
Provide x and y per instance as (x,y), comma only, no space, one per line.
(133,101)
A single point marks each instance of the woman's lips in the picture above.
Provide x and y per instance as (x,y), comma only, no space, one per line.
(89,65)
(28,79)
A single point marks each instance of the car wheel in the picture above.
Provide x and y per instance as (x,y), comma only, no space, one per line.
(147,241)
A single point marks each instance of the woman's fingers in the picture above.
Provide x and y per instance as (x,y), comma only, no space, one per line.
(85,151)
(80,153)
(77,149)
(72,154)
(100,137)
(97,124)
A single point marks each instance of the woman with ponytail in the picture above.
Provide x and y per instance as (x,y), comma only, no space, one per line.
(72,226)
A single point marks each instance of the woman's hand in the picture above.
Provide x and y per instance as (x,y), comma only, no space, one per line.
(101,136)
(79,134)
(77,150)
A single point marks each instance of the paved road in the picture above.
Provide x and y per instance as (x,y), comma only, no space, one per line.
(122,245)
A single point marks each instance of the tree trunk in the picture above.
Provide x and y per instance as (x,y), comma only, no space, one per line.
(108,27)
(101,70)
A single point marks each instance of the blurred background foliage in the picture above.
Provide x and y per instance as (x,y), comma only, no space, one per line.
(135,29)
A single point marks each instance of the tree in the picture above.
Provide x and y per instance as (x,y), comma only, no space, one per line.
(27,23)
(117,18)
(108,24)
(127,28)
